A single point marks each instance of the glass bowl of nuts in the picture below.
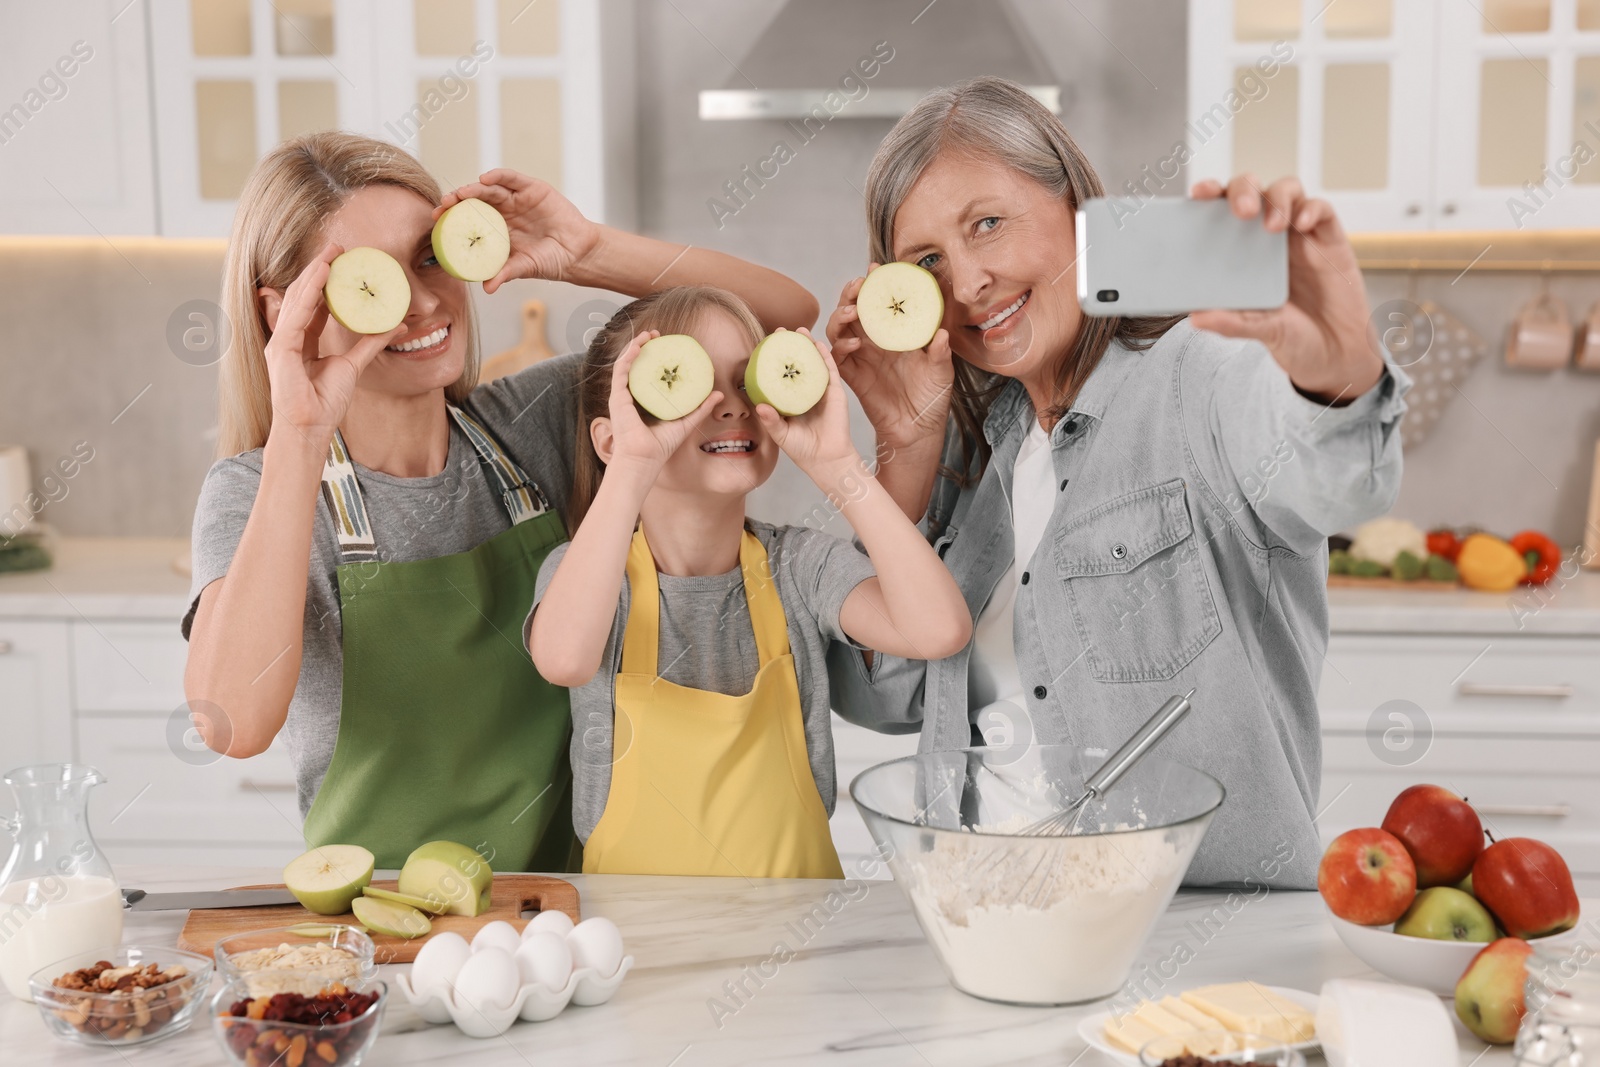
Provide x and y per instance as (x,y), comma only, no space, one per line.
(331,1028)
(127,997)
(296,959)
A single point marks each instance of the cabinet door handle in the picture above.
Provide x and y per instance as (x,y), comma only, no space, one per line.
(1548,811)
(250,785)
(5,648)
(1495,689)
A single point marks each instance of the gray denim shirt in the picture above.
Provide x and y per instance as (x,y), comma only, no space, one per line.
(1187,548)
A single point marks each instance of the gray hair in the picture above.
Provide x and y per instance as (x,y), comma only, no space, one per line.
(987,117)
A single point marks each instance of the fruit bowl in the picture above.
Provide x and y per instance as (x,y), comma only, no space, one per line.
(1423,961)
(1034,920)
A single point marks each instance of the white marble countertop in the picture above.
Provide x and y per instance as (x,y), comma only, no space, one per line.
(134,578)
(864,989)
(102,577)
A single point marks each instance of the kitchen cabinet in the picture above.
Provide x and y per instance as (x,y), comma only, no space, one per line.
(466,85)
(76,137)
(1428,114)
(35,695)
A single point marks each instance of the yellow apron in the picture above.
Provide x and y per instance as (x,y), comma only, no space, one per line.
(703,783)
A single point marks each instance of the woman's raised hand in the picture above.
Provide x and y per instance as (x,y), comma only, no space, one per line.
(906,395)
(1321,336)
(635,443)
(311,391)
(548,234)
(819,440)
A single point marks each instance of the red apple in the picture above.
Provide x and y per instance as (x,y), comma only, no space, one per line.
(1439,829)
(1527,886)
(1367,877)
(1489,996)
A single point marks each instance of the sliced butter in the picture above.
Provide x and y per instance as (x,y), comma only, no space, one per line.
(1210,1040)
(1246,1007)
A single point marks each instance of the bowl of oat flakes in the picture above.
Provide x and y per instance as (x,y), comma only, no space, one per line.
(131,996)
(296,959)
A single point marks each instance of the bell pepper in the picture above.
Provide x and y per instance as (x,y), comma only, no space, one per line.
(1488,563)
(1444,543)
(1543,556)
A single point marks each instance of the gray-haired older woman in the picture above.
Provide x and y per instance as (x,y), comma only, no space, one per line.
(1132,506)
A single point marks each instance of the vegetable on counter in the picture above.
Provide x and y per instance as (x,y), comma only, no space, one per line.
(1408,566)
(1541,555)
(1444,543)
(1440,569)
(1381,540)
(1490,564)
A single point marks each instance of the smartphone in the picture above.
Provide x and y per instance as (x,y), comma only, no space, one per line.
(1172,255)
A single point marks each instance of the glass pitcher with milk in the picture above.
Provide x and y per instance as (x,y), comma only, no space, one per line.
(58,895)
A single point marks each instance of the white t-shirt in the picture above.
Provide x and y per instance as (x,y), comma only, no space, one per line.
(994,685)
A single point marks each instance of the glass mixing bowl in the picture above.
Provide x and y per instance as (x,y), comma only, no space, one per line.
(1034,920)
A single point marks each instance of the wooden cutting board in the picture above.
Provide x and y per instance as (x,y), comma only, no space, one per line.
(511,895)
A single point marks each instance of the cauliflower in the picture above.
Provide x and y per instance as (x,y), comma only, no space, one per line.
(1381,540)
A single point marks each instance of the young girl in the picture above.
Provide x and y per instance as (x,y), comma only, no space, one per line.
(693,639)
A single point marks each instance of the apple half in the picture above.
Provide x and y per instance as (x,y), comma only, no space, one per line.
(471,241)
(787,372)
(451,872)
(367,291)
(671,377)
(327,878)
(387,917)
(900,307)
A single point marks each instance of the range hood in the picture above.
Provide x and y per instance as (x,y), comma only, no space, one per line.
(814,48)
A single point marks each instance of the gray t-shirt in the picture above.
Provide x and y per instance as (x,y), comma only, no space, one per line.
(814,572)
(531,414)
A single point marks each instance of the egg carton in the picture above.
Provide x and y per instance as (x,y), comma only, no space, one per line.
(533,1003)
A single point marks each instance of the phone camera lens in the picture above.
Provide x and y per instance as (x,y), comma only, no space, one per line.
(1106,296)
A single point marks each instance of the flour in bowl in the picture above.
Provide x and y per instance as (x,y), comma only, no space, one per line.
(1044,920)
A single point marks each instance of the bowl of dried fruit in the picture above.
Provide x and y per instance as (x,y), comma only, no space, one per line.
(332,1028)
(126,997)
(296,959)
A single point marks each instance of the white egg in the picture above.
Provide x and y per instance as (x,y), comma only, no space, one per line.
(545,958)
(555,922)
(488,980)
(596,943)
(438,963)
(498,934)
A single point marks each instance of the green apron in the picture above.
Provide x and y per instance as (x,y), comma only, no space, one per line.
(446,730)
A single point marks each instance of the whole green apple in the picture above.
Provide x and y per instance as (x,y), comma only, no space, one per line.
(1446,914)
(1489,996)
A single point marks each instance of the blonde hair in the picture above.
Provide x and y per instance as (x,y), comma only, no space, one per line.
(276,231)
(994,119)
(676,310)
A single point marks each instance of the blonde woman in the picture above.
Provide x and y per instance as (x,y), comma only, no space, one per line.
(366,549)
(1132,507)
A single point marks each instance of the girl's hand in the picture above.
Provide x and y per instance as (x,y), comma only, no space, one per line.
(548,234)
(1321,336)
(311,391)
(819,440)
(906,395)
(634,444)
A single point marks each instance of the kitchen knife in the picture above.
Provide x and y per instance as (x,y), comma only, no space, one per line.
(139,900)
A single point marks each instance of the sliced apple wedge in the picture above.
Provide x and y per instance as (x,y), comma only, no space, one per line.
(787,372)
(471,241)
(672,376)
(367,291)
(327,878)
(900,307)
(387,917)
(431,905)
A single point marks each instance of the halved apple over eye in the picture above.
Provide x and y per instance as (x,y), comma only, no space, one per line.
(787,372)
(900,307)
(367,291)
(672,376)
(471,241)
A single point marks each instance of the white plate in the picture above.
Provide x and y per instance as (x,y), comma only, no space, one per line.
(1093,1028)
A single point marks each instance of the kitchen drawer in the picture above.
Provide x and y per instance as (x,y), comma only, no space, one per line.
(35,699)
(127,666)
(1539,681)
(156,796)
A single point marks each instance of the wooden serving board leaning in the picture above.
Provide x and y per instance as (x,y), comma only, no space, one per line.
(511,895)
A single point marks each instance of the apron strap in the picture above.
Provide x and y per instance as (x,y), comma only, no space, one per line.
(341,491)
(641,637)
